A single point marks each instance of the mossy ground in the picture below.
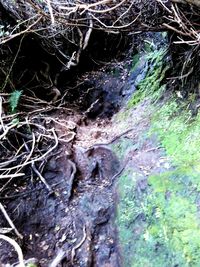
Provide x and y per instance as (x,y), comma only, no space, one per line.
(150,86)
(159,226)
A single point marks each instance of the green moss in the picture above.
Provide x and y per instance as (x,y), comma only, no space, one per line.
(179,136)
(127,211)
(173,221)
(135,62)
(156,230)
(31,265)
(150,86)
(159,226)
(171,208)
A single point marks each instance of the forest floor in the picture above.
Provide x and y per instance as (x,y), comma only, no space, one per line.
(124,176)
(78,222)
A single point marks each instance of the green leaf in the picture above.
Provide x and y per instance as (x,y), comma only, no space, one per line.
(14,99)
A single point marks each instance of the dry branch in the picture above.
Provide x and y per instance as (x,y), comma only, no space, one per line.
(65,27)
(35,142)
(188,32)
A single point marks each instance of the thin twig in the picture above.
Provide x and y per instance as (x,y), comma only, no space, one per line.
(50,11)
(10,221)
(21,32)
(41,177)
(36,159)
(59,257)
(1,113)
(110,142)
(13,63)
(36,170)
(72,176)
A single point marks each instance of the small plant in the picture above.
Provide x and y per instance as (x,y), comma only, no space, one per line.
(4,31)
(14,100)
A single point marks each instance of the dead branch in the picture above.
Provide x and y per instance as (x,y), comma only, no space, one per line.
(35,169)
(71,21)
(187,32)
(27,152)
(72,176)
(111,141)
(41,177)
(6,176)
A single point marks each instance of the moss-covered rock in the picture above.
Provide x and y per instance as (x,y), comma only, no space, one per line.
(150,84)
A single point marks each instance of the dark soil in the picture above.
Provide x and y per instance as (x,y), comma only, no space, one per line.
(75,222)
(80,208)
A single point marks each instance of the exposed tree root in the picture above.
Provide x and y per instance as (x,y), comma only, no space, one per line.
(73,253)
(16,247)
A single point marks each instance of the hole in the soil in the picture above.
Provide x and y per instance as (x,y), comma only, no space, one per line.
(37,71)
